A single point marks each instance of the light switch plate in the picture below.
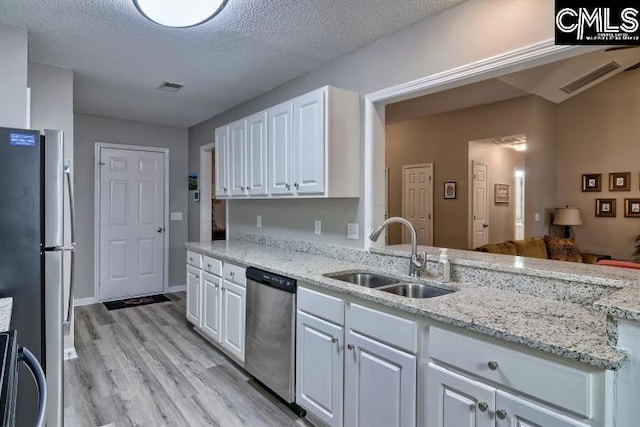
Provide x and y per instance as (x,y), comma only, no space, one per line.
(537,217)
(318,227)
(176,216)
(259,221)
(353,231)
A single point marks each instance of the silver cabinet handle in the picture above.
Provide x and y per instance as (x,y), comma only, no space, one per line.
(224,289)
(296,185)
(334,340)
(350,346)
(288,186)
(501,414)
(209,265)
(232,273)
(483,406)
(493,365)
(225,189)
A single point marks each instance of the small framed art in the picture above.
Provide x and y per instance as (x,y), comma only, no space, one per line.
(450,190)
(592,182)
(606,207)
(620,181)
(632,208)
(502,193)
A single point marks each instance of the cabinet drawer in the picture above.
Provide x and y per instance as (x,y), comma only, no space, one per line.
(394,330)
(234,273)
(212,265)
(194,259)
(321,305)
(560,385)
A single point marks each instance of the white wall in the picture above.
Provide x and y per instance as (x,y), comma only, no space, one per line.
(88,131)
(52,108)
(470,32)
(13,76)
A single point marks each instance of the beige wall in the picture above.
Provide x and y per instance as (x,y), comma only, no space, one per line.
(501,165)
(443,139)
(467,33)
(598,133)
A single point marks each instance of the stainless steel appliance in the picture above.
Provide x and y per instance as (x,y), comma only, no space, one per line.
(32,249)
(271,332)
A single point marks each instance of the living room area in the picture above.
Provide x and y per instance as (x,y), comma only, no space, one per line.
(544,167)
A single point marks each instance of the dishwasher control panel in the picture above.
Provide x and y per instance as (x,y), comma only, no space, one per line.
(271,279)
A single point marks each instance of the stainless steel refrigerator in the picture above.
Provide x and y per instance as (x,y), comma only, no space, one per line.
(32,249)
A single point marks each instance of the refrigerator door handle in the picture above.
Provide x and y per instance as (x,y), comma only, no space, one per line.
(72,205)
(67,323)
(72,248)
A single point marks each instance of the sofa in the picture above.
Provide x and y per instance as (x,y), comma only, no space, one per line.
(547,247)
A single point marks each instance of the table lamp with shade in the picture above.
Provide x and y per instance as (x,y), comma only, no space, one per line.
(567,217)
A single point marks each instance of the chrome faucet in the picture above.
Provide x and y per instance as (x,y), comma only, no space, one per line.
(418,262)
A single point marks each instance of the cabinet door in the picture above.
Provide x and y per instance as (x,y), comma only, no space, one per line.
(211,306)
(237,158)
(233,319)
(309,143)
(280,143)
(257,155)
(193,295)
(455,400)
(222,161)
(380,384)
(319,368)
(513,411)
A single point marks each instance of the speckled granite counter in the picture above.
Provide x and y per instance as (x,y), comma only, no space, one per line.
(574,331)
(6,307)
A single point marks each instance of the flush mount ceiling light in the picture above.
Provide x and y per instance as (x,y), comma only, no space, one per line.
(179,13)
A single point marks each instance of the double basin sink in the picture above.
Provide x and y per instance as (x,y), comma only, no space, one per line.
(391,285)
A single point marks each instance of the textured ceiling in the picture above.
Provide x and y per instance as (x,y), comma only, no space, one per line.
(251,47)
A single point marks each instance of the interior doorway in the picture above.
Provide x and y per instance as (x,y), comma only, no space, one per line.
(479,204)
(213,211)
(417,201)
(519,207)
(132,226)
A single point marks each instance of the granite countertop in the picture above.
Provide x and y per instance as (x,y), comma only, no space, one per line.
(6,306)
(569,330)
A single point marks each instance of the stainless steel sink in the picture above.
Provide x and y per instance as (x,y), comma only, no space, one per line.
(368,280)
(415,290)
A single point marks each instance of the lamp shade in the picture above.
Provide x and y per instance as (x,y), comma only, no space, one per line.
(567,216)
(179,13)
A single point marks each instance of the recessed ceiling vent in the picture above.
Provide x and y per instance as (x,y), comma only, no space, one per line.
(591,77)
(170,87)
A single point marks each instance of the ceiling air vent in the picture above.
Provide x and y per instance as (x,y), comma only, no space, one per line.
(591,77)
(170,87)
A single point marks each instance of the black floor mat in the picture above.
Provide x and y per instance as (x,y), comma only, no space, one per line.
(135,302)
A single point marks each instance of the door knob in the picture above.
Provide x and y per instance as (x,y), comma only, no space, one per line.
(493,365)
(159,229)
(483,406)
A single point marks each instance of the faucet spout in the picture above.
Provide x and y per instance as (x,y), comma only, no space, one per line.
(417,263)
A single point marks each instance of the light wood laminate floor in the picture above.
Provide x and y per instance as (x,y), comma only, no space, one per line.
(143,366)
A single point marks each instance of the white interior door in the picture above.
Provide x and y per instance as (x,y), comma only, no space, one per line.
(480,205)
(131,223)
(417,201)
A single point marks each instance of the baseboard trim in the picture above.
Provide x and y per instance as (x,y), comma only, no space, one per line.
(178,288)
(70,353)
(84,301)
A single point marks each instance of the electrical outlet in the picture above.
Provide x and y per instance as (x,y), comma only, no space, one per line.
(318,227)
(259,221)
(353,231)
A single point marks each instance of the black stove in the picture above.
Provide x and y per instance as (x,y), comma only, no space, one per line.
(8,377)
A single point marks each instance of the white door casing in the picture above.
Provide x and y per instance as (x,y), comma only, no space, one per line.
(280,128)
(417,201)
(309,146)
(480,204)
(131,222)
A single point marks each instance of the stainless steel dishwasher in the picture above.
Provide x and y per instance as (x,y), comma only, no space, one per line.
(271,333)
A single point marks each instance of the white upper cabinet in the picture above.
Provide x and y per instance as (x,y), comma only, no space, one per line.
(238,157)
(309,143)
(221,162)
(312,145)
(281,149)
(257,155)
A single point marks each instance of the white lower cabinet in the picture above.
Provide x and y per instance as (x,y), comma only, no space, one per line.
(233,319)
(193,295)
(212,306)
(380,384)
(453,399)
(319,368)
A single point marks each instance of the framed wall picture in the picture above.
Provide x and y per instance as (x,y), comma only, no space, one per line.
(606,208)
(450,190)
(632,208)
(592,182)
(502,193)
(620,181)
